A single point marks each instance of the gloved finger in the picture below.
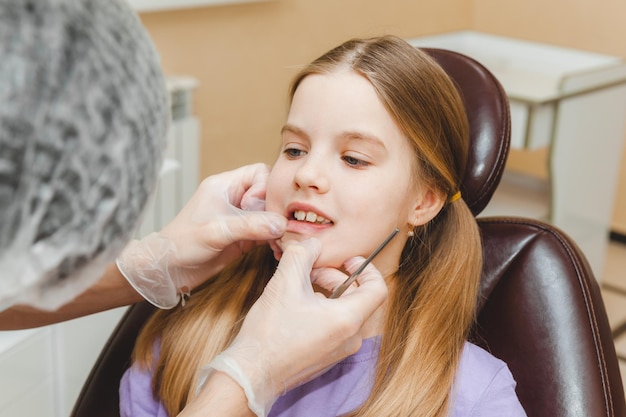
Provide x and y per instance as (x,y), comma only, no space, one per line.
(252,203)
(368,295)
(253,198)
(360,301)
(247,186)
(252,226)
(328,278)
(278,252)
(226,192)
(294,269)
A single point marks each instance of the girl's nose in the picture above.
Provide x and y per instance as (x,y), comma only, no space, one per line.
(312,175)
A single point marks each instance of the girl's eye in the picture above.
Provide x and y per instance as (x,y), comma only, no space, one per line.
(293,152)
(355,162)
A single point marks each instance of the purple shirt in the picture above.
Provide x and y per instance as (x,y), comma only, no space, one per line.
(483,387)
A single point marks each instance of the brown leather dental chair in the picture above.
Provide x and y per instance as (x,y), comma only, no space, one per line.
(540,306)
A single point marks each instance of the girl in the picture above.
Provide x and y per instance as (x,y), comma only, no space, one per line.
(376,138)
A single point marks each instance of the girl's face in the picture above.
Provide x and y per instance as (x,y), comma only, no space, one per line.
(345,172)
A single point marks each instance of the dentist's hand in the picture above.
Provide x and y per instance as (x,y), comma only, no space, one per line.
(292,334)
(222,220)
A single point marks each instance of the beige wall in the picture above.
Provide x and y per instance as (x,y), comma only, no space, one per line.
(593,25)
(244,56)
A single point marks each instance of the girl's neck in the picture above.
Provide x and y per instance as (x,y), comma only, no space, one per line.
(375,325)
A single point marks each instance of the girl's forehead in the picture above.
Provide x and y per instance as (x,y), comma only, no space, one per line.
(341,98)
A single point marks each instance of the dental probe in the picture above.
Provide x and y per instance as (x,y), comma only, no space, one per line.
(344,286)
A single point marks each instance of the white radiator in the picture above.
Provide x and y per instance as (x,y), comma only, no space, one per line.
(179,175)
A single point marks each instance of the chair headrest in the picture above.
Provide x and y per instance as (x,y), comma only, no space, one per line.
(487,108)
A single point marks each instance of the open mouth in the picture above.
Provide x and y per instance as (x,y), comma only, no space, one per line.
(309,217)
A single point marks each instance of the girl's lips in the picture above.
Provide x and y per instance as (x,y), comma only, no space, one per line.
(306,228)
(304,210)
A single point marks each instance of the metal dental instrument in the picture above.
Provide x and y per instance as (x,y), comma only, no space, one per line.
(344,286)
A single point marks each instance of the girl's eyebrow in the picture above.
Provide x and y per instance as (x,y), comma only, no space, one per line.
(295,130)
(348,135)
(366,137)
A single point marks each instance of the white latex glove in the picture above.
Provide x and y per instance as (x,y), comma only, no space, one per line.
(292,334)
(222,220)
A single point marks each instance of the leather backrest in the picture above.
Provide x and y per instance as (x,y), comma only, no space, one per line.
(487,108)
(542,313)
(540,308)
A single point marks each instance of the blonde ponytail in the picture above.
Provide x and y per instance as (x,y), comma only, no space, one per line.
(431,312)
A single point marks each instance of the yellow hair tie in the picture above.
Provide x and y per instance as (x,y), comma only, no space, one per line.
(455,197)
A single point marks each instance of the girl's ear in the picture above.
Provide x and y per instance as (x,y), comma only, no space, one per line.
(426,206)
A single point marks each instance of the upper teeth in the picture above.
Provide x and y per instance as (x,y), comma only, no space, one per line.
(309,216)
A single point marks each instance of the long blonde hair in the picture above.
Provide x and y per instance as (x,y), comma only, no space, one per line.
(432,305)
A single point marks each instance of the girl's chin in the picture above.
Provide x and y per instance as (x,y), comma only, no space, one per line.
(328,262)
(325,260)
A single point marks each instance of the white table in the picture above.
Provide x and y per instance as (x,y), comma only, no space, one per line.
(574,103)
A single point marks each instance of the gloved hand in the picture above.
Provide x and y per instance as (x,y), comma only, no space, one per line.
(222,220)
(292,334)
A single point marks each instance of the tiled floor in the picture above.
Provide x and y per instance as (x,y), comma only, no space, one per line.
(613,285)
